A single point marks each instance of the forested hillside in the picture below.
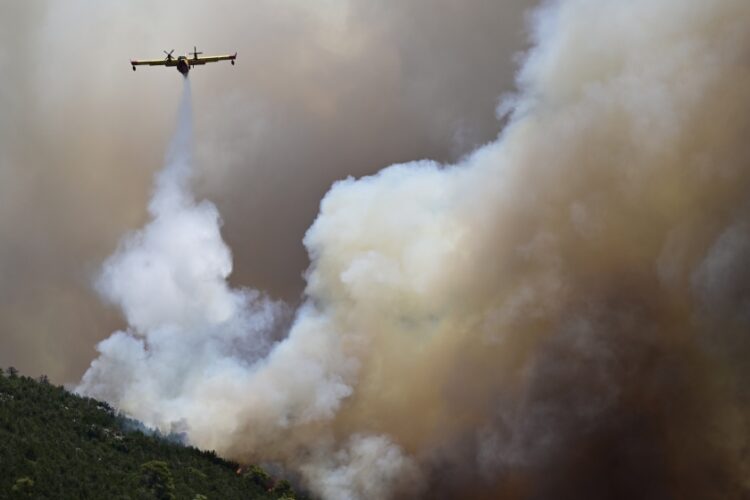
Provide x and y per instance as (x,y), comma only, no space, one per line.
(54,444)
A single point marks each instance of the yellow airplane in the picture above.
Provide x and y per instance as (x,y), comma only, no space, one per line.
(184,63)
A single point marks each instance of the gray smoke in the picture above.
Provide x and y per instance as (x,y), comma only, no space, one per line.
(561,313)
(320,91)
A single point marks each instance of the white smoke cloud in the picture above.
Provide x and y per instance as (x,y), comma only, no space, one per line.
(367,467)
(193,356)
(187,326)
(488,317)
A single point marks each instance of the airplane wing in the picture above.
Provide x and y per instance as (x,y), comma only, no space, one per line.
(207,59)
(155,62)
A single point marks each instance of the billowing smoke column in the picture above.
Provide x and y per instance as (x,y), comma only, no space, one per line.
(563,314)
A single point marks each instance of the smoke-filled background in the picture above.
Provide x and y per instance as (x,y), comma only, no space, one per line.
(560,312)
(320,91)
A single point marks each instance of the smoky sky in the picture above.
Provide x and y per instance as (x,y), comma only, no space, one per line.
(545,301)
(561,312)
(320,92)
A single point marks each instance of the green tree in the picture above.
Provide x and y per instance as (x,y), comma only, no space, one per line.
(24,487)
(156,478)
(284,490)
(258,476)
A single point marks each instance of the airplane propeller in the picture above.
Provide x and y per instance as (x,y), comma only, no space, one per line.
(169,54)
(195,52)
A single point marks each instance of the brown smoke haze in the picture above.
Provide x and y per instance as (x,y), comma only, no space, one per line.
(321,90)
(560,312)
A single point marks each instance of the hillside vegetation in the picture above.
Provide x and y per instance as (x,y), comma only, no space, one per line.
(55,444)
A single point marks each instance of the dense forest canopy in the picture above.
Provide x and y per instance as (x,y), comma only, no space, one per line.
(56,444)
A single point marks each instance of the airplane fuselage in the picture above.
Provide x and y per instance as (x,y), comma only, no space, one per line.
(183,66)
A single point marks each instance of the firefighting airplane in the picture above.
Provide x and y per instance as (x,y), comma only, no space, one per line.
(184,63)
